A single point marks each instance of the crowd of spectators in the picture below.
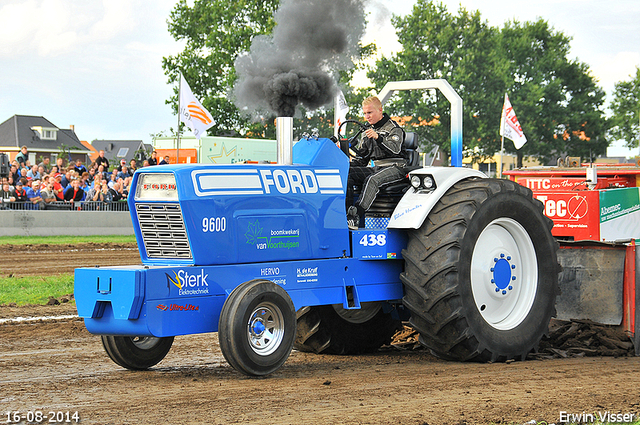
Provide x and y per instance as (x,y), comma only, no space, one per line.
(67,186)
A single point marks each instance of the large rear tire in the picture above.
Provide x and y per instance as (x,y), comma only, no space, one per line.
(136,353)
(331,329)
(481,273)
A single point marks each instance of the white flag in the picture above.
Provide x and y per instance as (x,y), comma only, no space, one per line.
(341,109)
(192,113)
(509,125)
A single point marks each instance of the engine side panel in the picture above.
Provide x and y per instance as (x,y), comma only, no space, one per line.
(227,214)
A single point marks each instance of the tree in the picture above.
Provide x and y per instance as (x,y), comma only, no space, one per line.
(557,102)
(215,32)
(459,49)
(625,123)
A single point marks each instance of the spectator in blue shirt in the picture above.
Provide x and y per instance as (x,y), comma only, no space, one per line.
(35,173)
(33,194)
(84,184)
(66,177)
(124,173)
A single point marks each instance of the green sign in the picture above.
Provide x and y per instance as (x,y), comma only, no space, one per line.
(620,214)
(617,203)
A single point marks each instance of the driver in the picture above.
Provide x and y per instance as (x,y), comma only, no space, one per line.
(383,145)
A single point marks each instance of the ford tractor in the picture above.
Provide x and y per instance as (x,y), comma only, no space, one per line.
(262,255)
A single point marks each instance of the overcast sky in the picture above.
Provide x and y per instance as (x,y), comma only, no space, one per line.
(97,64)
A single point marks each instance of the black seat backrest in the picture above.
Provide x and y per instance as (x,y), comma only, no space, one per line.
(411,146)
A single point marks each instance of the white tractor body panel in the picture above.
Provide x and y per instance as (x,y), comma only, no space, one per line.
(415,205)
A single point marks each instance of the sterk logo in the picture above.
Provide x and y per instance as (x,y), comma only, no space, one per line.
(175,281)
(162,307)
(189,282)
(198,113)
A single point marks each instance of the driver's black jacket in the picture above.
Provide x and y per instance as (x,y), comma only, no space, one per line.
(388,149)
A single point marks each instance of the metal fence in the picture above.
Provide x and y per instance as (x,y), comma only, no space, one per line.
(66,206)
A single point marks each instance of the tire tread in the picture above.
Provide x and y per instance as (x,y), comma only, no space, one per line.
(432,272)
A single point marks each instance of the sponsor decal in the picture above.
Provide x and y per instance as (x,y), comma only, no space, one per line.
(178,307)
(619,203)
(273,239)
(307,274)
(187,307)
(273,274)
(270,271)
(279,280)
(189,283)
(564,206)
(406,211)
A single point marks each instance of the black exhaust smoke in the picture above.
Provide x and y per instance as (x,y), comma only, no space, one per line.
(312,39)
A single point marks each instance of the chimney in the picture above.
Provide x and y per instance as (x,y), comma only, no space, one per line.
(284,140)
(72,127)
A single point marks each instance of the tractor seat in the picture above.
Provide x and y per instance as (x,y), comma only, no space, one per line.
(411,146)
(390,194)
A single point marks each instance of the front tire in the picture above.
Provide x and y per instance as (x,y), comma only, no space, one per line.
(136,353)
(329,329)
(257,327)
(481,273)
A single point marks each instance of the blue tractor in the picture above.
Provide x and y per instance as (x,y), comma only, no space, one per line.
(262,255)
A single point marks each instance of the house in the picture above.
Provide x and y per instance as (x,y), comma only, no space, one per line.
(42,139)
(433,158)
(115,150)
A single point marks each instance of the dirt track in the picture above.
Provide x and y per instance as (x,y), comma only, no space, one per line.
(37,260)
(59,366)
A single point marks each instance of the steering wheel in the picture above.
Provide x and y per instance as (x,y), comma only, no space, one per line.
(351,140)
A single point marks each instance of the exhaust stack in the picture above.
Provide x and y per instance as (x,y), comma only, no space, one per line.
(284,140)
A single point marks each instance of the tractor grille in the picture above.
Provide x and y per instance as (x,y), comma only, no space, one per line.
(163,230)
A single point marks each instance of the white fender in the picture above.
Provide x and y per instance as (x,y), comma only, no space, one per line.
(414,206)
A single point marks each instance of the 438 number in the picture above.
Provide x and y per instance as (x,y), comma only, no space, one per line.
(214,224)
(373,240)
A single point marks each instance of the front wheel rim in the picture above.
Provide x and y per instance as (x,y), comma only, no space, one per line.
(145,342)
(265,329)
(504,273)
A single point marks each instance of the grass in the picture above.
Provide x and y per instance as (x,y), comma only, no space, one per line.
(34,289)
(38,289)
(34,240)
